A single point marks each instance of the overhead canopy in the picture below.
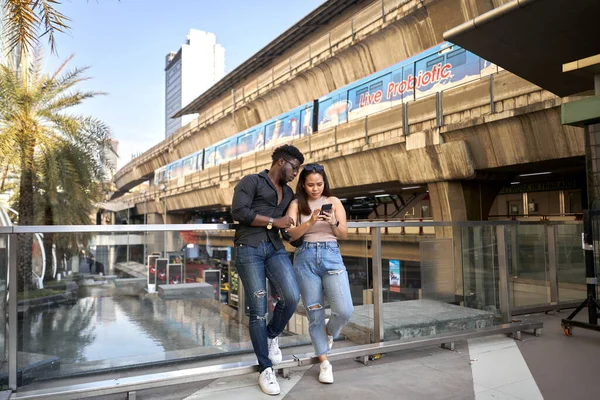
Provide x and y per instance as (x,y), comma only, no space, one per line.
(534,38)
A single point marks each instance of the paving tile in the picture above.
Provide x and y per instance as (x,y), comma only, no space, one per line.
(499,367)
(526,390)
(494,395)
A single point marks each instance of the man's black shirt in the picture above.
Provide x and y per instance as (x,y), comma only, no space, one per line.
(256,194)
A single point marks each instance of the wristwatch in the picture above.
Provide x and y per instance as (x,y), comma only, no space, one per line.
(337,223)
(270,224)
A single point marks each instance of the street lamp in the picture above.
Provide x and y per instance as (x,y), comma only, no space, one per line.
(163,188)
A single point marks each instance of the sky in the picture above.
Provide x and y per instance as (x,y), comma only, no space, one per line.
(125,43)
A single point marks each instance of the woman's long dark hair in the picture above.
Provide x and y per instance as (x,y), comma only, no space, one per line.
(301,194)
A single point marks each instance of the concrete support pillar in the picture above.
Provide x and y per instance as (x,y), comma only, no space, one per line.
(455,201)
(447,203)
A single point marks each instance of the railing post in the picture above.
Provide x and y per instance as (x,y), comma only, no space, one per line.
(503,274)
(13,285)
(352,27)
(552,263)
(377,285)
(330,49)
(383,10)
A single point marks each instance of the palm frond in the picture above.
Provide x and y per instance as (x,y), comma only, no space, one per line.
(23,19)
(52,19)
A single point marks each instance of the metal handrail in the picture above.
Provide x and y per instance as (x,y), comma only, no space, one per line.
(219,227)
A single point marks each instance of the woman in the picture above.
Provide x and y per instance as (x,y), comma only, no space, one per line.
(318,262)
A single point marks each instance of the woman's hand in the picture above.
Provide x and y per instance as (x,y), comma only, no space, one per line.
(314,218)
(329,217)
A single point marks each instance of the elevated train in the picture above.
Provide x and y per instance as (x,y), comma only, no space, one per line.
(441,67)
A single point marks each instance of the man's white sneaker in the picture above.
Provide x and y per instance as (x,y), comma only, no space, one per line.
(329,341)
(268,382)
(274,351)
(326,374)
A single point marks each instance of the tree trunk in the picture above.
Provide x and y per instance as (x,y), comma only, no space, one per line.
(25,241)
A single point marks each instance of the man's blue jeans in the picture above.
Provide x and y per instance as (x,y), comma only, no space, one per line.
(254,265)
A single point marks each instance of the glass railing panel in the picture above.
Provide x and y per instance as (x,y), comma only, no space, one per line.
(529,273)
(99,309)
(571,263)
(356,256)
(3,293)
(479,249)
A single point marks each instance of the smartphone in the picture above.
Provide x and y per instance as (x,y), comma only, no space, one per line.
(325,208)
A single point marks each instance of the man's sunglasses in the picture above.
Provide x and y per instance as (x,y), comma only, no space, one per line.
(314,167)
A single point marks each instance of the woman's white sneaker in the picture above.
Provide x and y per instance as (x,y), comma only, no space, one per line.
(268,382)
(274,352)
(326,374)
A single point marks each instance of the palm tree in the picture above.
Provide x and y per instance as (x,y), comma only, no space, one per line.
(23,19)
(67,184)
(36,125)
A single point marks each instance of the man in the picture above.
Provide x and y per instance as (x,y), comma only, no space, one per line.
(259,204)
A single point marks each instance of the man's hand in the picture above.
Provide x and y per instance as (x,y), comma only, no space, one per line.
(283,222)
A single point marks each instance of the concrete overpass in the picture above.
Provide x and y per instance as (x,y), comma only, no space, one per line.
(479,131)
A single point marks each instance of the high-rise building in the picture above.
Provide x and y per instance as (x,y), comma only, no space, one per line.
(198,65)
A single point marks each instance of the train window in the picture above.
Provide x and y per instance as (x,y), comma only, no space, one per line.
(306,116)
(175,170)
(359,93)
(209,157)
(245,143)
(274,132)
(189,165)
(225,152)
(375,87)
(292,125)
(323,108)
(438,60)
(159,176)
(259,142)
(457,57)
(409,76)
